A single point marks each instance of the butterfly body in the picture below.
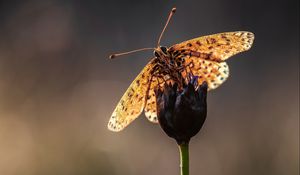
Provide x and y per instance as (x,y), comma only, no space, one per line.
(168,66)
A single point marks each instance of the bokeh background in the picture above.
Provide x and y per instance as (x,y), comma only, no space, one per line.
(58,88)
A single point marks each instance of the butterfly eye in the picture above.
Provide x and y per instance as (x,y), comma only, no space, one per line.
(164,49)
(156,54)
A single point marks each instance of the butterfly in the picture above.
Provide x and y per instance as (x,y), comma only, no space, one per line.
(203,57)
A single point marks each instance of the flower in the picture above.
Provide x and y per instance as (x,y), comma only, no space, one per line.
(181,113)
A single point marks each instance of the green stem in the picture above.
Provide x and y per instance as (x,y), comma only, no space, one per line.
(184,158)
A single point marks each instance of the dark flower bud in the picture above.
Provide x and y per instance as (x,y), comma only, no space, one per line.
(181,113)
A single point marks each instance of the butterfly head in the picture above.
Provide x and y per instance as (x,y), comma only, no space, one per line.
(161,51)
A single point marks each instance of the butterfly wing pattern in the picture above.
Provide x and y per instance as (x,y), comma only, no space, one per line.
(219,46)
(203,57)
(150,108)
(133,101)
(213,73)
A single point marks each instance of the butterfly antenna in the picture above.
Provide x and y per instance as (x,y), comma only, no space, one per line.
(169,18)
(125,53)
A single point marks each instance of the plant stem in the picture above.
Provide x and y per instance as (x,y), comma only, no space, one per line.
(184,158)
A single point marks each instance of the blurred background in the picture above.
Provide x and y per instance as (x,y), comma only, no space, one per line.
(58,88)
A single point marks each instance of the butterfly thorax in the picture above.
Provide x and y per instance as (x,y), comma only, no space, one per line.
(169,66)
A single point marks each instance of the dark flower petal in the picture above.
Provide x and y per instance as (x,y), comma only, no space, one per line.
(181,114)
